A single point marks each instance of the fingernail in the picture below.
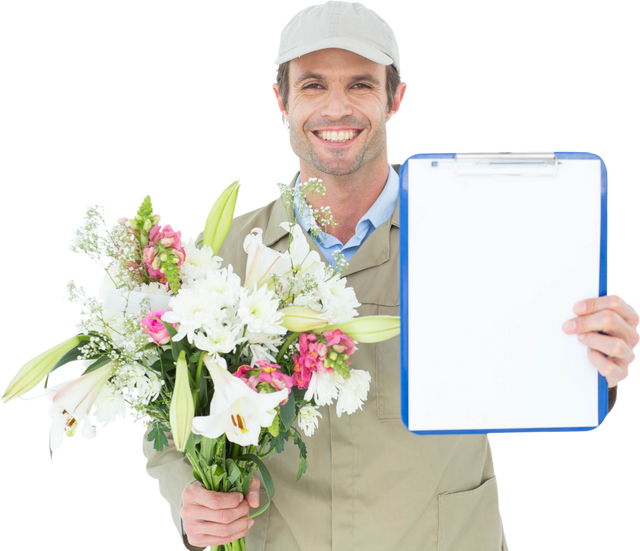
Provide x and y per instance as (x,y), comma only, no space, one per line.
(581,307)
(254,496)
(251,523)
(581,336)
(570,325)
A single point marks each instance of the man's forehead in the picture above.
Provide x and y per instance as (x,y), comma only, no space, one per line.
(323,63)
(329,57)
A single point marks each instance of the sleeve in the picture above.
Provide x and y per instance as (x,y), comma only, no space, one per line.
(613,394)
(173,473)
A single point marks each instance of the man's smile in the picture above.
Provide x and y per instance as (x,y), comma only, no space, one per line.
(337,135)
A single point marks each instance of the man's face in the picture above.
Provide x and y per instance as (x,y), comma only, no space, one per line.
(337,110)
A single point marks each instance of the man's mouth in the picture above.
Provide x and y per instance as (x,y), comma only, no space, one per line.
(337,136)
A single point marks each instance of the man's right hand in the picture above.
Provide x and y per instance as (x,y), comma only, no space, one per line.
(216,518)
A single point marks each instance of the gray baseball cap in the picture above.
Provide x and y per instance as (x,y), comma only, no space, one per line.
(344,25)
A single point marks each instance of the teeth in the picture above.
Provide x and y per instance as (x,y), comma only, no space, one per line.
(341,136)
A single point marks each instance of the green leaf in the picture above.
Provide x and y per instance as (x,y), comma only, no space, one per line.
(103,360)
(297,439)
(196,475)
(277,443)
(73,354)
(157,436)
(269,486)
(233,470)
(177,347)
(288,412)
(207,449)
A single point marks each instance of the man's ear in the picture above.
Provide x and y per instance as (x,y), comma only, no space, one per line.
(397,100)
(285,113)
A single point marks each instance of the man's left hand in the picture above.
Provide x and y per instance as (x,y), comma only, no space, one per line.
(608,326)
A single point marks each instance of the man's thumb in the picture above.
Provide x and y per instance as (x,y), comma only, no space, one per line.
(254,493)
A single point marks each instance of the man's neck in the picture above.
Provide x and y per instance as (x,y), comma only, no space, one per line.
(350,196)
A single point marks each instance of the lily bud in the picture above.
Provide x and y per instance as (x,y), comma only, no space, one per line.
(300,319)
(39,367)
(182,410)
(220,217)
(368,328)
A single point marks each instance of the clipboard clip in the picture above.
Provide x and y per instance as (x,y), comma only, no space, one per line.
(506,164)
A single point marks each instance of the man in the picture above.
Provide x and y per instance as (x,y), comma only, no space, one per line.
(370,484)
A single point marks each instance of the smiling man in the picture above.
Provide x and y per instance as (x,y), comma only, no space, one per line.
(370,484)
(337,107)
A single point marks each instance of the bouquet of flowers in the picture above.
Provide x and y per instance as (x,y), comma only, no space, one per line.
(234,370)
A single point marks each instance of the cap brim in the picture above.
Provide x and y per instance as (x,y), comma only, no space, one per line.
(336,42)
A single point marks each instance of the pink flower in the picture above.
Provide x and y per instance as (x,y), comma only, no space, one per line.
(153,327)
(162,240)
(340,342)
(265,377)
(247,374)
(301,373)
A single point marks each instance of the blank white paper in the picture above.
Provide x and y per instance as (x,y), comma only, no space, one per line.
(495,267)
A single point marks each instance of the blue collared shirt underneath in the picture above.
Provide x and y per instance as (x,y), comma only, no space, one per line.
(378,214)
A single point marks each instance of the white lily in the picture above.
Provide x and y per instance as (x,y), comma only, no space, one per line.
(262,262)
(39,367)
(236,410)
(303,259)
(78,395)
(181,410)
(63,425)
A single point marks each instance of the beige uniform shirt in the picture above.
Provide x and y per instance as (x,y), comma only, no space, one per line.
(370,484)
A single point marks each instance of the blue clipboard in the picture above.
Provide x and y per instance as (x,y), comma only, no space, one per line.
(429,406)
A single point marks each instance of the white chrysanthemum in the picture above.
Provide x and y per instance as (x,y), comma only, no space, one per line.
(353,392)
(259,312)
(308,419)
(264,352)
(198,263)
(224,283)
(339,302)
(219,340)
(109,405)
(193,309)
(324,387)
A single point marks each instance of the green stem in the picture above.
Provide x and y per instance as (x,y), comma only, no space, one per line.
(286,345)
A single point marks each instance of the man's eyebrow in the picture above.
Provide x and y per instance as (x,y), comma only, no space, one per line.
(357,78)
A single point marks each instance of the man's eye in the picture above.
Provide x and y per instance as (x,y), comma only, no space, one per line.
(316,84)
(312,86)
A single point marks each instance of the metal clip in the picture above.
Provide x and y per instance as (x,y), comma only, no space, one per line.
(506,162)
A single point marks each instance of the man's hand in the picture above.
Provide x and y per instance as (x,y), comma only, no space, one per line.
(216,518)
(612,352)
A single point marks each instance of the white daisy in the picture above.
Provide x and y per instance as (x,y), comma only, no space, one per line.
(259,312)
(308,419)
(353,392)
(339,302)
(324,387)
(193,309)
(219,340)
(198,263)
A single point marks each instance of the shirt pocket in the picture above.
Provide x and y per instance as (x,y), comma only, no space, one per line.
(388,372)
(470,520)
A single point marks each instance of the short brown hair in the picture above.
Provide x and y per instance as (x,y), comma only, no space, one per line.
(282,79)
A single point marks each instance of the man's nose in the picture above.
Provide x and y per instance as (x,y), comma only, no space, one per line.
(337,104)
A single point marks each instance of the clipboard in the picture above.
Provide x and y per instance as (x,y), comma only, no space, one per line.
(495,249)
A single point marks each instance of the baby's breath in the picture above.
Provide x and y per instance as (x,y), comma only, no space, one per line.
(308,193)
(90,237)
